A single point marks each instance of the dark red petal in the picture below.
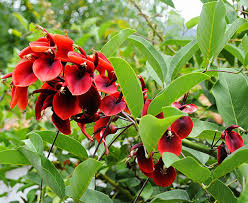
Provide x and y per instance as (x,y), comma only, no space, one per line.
(145,164)
(221,153)
(48,102)
(231,127)
(171,144)
(110,107)
(23,74)
(182,126)
(163,176)
(78,82)
(99,126)
(90,101)
(65,105)
(46,68)
(82,127)
(63,126)
(103,84)
(103,62)
(233,141)
(189,108)
(64,44)
(40,45)
(19,97)
(145,107)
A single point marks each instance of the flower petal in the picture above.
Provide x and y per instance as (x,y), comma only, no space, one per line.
(182,126)
(78,58)
(65,105)
(23,74)
(145,164)
(189,108)
(103,84)
(63,126)
(40,45)
(163,176)
(78,81)
(171,144)
(82,127)
(221,153)
(45,68)
(233,141)
(99,126)
(90,101)
(19,97)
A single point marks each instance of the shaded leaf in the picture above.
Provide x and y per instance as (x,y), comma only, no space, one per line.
(13,156)
(172,196)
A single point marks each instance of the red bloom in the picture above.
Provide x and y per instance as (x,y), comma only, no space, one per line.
(112,104)
(62,125)
(40,45)
(170,142)
(163,176)
(221,152)
(182,126)
(233,140)
(78,80)
(187,108)
(19,97)
(104,84)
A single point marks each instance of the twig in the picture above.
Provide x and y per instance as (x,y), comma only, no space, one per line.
(126,127)
(149,23)
(50,150)
(141,190)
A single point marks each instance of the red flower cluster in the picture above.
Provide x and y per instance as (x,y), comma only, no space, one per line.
(76,85)
(169,142)
(233,141)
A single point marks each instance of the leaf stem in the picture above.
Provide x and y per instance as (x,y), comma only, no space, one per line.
(141,190)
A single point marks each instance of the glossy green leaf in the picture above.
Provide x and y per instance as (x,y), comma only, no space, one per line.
(94,196)
(221,192)
(116,41)
(46,170)
(175,90)
(13,156)
(200,156)
(211,28)
(153,74)
(172,111)
(188,166)
(81,177)
(178,42)
(151,129)
(235,51)
(168,2)
(231,162)
(231,95)
(64,142)
(35,143)
(129,84)
(176,195)
(192,22)
(169,158)
(181,57)
(153,56)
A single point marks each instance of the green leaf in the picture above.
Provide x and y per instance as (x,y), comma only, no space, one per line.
(94,196)
(13,156)
(22,20)
(129,84)
(244,43)
(89,22)
(200,156)
(154,58)
(35,143)
(211,28)
(221,192)
(177,42)
(181,57)
(238,23)
(153,74)
(235,51)
(169,158)
(103,27)
(231,162)
(188,166)
(231,95)
(152,129)
(175,90)
(172,111)
(192,22)
(169,3)
(83,39)
(176,195)
(116,41)
(81,177)
(64,142)
(244,195)
(46,170)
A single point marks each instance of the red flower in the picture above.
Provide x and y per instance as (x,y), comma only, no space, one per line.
(104,84)
(233,140)
(112,104)
(170,142)
(163,176)
(19,97)
(221,152)
(62,125)
(182,126)
(40,45)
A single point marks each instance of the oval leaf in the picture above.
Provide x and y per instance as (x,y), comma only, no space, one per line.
(13,156)
(81,177)
(94,196)
(130,86)
(176,195)
(175,90)
(116,41)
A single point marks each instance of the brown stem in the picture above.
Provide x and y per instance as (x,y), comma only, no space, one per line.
(141,190)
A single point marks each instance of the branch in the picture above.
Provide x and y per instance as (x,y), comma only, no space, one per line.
(149,23)
(199,147)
